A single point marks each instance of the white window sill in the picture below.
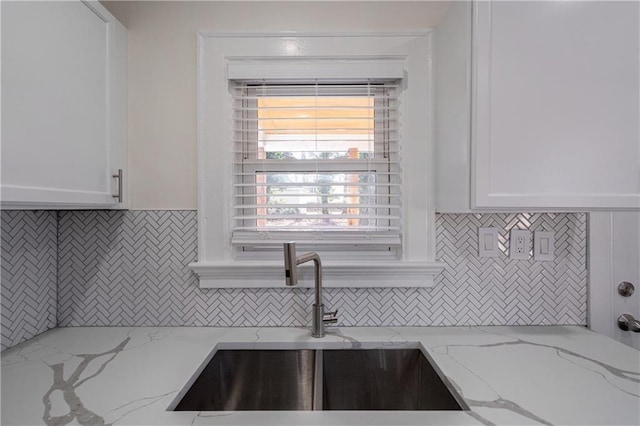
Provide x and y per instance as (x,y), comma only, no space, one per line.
(335,274)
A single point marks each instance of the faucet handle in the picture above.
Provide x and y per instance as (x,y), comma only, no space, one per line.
(330,317)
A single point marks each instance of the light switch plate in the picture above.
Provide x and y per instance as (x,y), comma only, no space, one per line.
(519,244)
(488,242)
(544,246)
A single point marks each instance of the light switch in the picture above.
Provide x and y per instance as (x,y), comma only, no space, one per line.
(488,242)
(543,246)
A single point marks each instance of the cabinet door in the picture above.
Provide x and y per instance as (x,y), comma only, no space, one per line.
(555,105)
(63,105)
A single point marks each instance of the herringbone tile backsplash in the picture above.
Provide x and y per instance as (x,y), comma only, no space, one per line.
(502,291)
(129,268)
(28,277)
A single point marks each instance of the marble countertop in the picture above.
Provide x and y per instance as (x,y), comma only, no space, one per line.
(507,375)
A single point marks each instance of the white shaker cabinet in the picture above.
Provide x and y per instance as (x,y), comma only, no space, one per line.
(63,105)
(554,107)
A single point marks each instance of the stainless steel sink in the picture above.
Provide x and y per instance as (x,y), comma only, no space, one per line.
(305,379)
(236,380)
(383,379)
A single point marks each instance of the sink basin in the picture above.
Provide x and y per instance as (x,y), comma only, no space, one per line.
(383,379)
(306,379)
(236,380)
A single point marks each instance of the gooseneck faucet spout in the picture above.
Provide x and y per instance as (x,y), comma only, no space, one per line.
(291,262)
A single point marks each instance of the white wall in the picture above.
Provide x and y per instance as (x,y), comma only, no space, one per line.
(162,73)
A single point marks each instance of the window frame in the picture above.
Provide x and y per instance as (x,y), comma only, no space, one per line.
(345,55)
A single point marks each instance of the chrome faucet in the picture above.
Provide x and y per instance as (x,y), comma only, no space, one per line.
(291,263)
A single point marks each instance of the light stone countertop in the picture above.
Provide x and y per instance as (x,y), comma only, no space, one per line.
(507,375)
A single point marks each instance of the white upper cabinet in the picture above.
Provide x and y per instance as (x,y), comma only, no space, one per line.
(63,105)
(453,109)
(554,101)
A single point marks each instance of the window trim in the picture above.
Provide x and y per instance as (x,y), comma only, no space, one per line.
(216,53)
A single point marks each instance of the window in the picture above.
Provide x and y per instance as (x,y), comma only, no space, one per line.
(322,139)
(314,161)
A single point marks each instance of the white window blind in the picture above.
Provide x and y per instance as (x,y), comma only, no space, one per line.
(318,162)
